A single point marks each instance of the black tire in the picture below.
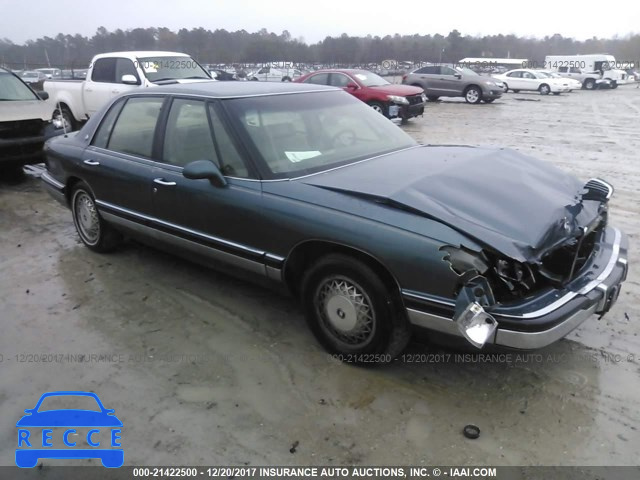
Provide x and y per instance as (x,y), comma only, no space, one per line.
(516,91)
(94,232)
(556,93)
(614,84)
(254,79)
(473,94)
(433,98)
(488,100)
(64,114)
(286,79)
(379,107)
(544,89)
(589,84)
(506,87)
(383,329)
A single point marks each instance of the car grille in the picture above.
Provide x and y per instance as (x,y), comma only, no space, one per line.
(415,99)
(21,129)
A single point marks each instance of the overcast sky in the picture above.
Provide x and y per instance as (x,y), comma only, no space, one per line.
(21,20)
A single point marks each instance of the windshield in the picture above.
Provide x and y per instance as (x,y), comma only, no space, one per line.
(369,79)
(305,133)
(12,89)
(157,69)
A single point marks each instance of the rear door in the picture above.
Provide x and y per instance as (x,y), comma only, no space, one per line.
(219,222)
(428,77)
(119,163)
(514,80)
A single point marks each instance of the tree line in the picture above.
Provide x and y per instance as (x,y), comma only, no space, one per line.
(224,47)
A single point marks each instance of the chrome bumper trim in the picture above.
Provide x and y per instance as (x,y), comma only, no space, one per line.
(51,181)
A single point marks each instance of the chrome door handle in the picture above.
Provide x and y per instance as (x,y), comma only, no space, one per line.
(162,181)
(93,163)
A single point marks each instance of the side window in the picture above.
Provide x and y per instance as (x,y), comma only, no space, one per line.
(318,79)
(447,71)
(430,70)
(101,138)
(134,130)
(515,74)
(188,136)
(264,70)
(124,66)
(339,80)
(231,161)
(563,69)
(575,70)
(104,70)
(527,75)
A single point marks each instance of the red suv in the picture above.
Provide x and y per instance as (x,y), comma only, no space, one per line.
(393,101)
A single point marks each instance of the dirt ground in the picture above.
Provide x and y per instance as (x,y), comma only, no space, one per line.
(206,369)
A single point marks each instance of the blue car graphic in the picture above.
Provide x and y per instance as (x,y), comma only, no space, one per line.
(28,456)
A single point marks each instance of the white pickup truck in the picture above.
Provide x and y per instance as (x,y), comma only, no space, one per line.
(111,74)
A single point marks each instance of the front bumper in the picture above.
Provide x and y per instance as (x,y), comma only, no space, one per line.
(405,111)
(549,317)
(25,150)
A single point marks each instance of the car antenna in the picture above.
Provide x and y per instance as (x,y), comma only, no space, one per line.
(64,127)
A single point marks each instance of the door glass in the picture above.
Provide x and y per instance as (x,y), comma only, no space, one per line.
(134,130)
(319,79)
(188,137)
(101,137)
(104,70)
(124,66)
(339,80)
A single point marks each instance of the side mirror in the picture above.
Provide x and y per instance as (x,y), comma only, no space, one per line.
(352,86)
(200,169)
(29,410)
(43,95)
(129,79)
(457,75)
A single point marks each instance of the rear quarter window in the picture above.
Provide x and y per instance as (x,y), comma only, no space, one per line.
(134,130)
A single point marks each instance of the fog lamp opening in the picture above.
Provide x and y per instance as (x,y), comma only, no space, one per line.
(476,325)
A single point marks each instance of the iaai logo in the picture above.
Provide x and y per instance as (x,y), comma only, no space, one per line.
(56,433)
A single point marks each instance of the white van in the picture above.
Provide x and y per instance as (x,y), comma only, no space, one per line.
(604,65)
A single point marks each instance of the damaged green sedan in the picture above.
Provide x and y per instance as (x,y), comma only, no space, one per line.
(375,234)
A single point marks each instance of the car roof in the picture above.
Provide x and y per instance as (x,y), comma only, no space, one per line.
(134,54)
(214,89)
(341,70)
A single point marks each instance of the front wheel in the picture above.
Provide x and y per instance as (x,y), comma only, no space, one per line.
(506,87)
(614,84)
(589,84)
(544,89)
(378,107)
(351,312)
(473,95)
(94,232)
(286,79)
(557,93)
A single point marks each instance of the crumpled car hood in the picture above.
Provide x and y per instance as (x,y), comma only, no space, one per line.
(515,204)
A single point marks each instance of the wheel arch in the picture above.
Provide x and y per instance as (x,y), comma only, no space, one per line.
(306,253)
(72,181)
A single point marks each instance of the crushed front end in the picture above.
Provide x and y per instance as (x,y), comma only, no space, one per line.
(532,303)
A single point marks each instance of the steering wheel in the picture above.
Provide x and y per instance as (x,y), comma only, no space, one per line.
(345,138)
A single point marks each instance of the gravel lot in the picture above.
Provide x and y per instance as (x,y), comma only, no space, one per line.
(203,368)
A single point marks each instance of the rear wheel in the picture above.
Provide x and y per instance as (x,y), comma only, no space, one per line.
(614,84)
(286,79)
(557,93)
(589,84)
(351,312)
(544,89)
(63,118)
(506,87)
(94,232)
(473,95)
(516,91)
